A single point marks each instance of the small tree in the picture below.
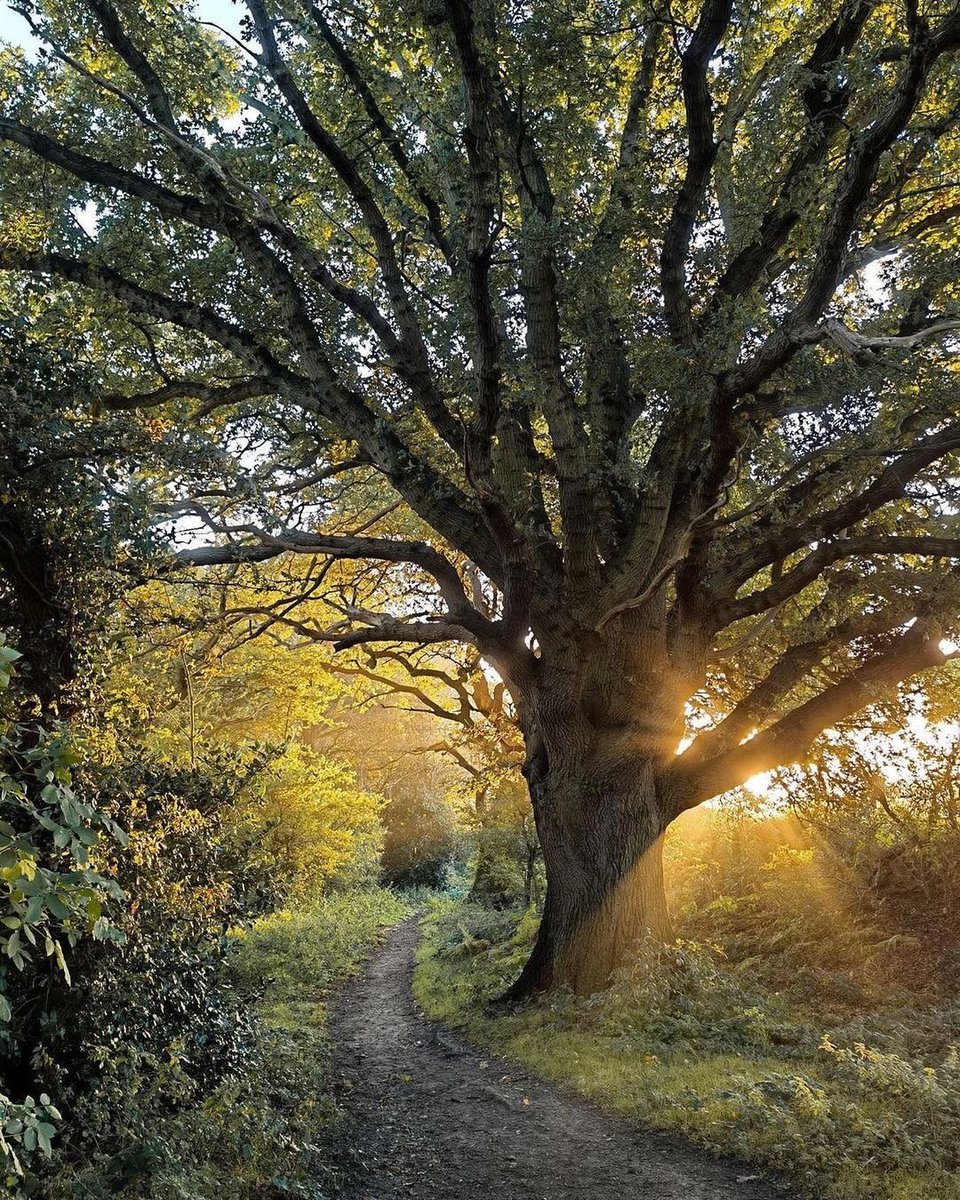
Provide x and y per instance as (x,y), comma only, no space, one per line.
(645,312)
(477,733)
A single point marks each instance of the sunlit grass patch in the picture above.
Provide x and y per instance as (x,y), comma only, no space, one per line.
(684,1043)
(854,1183)
(298,955)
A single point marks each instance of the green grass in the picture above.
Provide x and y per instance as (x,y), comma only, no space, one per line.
(686,1046)
(293,959)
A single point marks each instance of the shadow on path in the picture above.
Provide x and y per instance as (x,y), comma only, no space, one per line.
(428,1116)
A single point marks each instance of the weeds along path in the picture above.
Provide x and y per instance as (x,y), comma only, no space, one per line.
(430,1117)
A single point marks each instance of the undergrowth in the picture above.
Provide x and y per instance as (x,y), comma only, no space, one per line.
(255,1136)
(866,1110)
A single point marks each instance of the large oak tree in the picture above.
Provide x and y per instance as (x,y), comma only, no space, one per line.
(645,311)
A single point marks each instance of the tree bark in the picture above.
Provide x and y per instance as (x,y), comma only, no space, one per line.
(596,767)
(605,892)
(35,606)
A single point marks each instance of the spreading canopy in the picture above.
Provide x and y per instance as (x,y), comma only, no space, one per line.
(647,315)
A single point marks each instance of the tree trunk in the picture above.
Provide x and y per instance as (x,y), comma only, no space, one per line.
(601,726)
(491,883)
(39,613)
(503,868)
(605,885)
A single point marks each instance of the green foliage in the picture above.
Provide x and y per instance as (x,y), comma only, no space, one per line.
(890,1114)
(50,897)
(487,945)
(74,492)
(846,913)
(254,1136)
(26,1131)
(151,1025)
(155,1051)
(685,995)
(168,809)
(195,686)
(116,990)
(508,864)
(296,955)
(319,828)
(884,812)
(791,910)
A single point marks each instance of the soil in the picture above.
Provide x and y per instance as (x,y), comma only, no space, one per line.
(426,1115)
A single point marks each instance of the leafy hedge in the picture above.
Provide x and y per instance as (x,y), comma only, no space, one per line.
(50,897)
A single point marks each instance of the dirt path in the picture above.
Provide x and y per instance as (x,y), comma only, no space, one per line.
(428,1116)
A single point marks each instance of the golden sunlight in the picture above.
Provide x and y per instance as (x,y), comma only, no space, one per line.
(759,785)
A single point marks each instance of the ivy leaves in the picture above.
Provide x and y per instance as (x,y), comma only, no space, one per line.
(24,1129)
(50,895)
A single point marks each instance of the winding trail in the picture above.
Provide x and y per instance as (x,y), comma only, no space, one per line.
(428,1116)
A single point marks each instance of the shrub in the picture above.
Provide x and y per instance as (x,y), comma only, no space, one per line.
(420,843)
(784,907)
(26,1133)
(474,952)
(685,995)
(50,898)
(314,826)
(882,1110)
(148,1025)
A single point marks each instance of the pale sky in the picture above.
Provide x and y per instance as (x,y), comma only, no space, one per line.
(13,28)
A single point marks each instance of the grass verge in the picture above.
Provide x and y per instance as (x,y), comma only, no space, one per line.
(866,1111)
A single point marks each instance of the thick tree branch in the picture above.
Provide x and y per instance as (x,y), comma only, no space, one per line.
(183,313)
(791,582)
(616,403)
(865,154)
(702,150)
(745,554)
(436,499)
(213,396)
(378,627)
(490,109)
(226,218)
(852,342)
(478,236)
(790,738)
(759,707)
(419,554)
(825,102)
(391,139)
(413,345)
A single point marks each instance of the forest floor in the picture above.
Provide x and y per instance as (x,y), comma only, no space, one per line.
(426,1115)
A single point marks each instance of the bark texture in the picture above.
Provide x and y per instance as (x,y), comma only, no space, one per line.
(601,734)
(35,602)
